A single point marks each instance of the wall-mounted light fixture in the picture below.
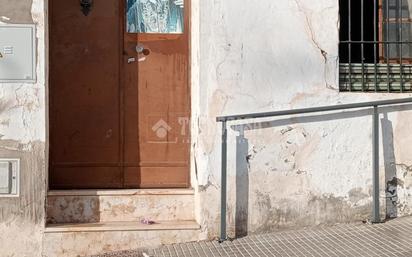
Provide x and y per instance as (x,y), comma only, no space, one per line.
(86,6)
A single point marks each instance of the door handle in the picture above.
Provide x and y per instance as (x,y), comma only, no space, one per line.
(140,49)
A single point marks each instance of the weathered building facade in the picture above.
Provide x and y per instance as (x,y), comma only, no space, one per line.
(287,172)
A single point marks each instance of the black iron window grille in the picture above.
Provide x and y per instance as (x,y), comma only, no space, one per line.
(375,48)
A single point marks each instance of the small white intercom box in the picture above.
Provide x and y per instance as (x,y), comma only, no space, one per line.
(17,53)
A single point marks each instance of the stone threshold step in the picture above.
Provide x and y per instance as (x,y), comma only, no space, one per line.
(122,226)
(121,192)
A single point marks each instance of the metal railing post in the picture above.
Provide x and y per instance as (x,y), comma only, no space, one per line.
(223,195)
(375,164)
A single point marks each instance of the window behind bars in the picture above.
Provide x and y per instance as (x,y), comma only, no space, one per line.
(375,45)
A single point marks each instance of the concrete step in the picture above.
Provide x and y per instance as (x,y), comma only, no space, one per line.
(91,206)
(66,240)
(121,226)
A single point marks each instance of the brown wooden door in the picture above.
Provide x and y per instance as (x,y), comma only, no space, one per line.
(115,121)
(157,100)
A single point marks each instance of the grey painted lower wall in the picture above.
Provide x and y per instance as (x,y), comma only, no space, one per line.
(22,219)
(22,135)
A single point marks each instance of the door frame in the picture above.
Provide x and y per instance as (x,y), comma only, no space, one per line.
(192,7)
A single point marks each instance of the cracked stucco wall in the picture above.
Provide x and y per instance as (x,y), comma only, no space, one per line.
(22,135)
(256,56)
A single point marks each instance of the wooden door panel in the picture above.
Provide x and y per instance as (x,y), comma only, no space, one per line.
(87,177)
(162,96)
(152,94)
(104,107)
(163,79)
(88,138)
(156,177)
(85,95)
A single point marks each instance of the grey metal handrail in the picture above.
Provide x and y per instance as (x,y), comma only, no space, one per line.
(375,146)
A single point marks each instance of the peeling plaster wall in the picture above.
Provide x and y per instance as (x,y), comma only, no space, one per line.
(22,135)
(256,56)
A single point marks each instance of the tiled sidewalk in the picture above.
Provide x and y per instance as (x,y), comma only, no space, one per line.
(393,238)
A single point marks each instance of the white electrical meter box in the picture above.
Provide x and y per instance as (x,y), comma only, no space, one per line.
(17,53)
